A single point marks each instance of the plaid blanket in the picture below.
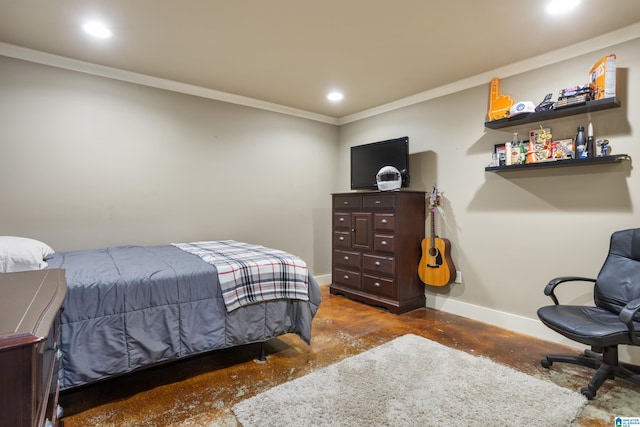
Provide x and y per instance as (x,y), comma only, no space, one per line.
(250,273)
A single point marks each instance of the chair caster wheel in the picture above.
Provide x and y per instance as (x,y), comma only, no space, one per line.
(587,393)
(546,363)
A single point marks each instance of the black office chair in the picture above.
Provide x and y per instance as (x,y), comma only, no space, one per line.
(614,320)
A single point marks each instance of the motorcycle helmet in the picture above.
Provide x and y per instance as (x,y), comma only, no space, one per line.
(389,179)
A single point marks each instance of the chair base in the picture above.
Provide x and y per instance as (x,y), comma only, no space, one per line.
(604,361)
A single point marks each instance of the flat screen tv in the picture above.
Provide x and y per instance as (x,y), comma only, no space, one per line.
(368,159)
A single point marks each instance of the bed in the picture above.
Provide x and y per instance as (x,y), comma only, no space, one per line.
(129,307)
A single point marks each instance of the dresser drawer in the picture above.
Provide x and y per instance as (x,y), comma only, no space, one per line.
(342,220)
(378,285)
(347,202)
(342,239)
(384,243)
(378,264)
(346,278)
(379,202)
(347,259)
(384,222)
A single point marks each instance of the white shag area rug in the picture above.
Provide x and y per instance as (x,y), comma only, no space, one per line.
(412,381)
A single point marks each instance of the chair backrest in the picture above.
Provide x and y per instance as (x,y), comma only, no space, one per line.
(619,279)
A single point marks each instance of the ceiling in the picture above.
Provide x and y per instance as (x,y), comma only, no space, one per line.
(293,52)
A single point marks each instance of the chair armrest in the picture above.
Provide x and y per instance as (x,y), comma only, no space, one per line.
(548,290)
(626,317)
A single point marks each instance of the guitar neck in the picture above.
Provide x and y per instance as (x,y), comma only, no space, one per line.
(433,226)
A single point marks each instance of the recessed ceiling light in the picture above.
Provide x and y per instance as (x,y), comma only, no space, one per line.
(556,7)
(335,96)
(97,29)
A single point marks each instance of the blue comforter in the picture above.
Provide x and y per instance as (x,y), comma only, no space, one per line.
(131,306)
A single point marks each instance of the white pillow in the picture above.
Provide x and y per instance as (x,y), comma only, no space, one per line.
(23,254)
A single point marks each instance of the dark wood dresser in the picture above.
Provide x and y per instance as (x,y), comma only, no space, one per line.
(376,248)
(30,306)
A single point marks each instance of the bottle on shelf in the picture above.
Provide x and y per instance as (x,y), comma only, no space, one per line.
(591,151)
(516,159)
(532,156)
(581,144)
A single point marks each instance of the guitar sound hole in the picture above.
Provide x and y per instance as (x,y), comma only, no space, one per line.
(433,252)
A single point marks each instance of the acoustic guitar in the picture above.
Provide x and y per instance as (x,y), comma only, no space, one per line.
(436,267)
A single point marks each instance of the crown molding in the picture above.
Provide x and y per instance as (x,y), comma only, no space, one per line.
(44,58)
(615,37)
(601,42)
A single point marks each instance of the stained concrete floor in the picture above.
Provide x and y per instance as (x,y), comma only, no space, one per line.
(201,390)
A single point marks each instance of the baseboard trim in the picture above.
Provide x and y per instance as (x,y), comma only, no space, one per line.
(512,322)
(520,324)
(323,279)
(501,319)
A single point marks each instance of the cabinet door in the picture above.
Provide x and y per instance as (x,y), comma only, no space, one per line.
(362,231)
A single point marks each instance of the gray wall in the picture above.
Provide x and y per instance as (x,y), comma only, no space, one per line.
(512,232)
(88,162)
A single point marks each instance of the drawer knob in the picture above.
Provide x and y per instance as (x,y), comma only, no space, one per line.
(346,258)
(346,277)
(383,243)
(384,221)
(378,202)
(341,219)
(376,284)
(341,238)
(377,263)
(346,202)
